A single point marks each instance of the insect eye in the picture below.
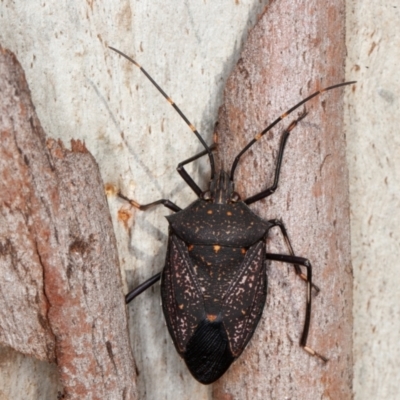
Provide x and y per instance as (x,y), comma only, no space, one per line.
(235,197)
(207,195)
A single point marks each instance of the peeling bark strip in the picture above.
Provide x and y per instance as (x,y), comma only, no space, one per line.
(61,292)
(295,49)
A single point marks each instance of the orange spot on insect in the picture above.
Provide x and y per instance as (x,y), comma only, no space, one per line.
(209,212)
(243,250)
(217,248)
(211,317)
(228,213)
(181,306)
(190,247)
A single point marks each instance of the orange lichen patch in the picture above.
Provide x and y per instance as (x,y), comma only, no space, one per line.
(110,189)
(78,146)
(125,216)
(220,394)
(217,248)
(56,147)
(211,317)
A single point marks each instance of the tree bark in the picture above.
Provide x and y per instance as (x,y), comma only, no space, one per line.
(61,291)
(295,49)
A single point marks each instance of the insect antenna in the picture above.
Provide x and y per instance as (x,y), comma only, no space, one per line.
(269,127)
(177,109)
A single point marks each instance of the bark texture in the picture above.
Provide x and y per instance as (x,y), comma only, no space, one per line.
(61,292)
(295,49)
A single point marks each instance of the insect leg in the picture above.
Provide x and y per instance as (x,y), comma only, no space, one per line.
(281,226)
(142,287)
(271,189)
(167,203)
(306,263)
(186,177)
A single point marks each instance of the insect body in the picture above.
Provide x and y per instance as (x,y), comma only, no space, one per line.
(214,282)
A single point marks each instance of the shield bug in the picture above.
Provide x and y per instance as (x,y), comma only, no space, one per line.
(214,282)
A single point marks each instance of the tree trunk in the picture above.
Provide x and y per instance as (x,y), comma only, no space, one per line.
(295,49)
(62,298)
(83,90)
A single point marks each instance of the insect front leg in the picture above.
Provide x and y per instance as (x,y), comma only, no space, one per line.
(294,260)
(271,189)
(186,177)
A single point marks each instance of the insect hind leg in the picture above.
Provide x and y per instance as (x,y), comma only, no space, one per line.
(294,260)
(281,226)
(142,287)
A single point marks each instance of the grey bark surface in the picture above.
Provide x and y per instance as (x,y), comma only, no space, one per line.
(284,60)
(61,291)
(373,154)
(82,90)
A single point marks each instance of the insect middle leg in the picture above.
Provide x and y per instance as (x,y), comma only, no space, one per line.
(143,207)
(294,260)
(186,177)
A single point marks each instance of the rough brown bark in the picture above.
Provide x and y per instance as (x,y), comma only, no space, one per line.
(61,292)
(295,49)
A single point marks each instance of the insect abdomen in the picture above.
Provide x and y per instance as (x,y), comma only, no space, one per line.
(211,315)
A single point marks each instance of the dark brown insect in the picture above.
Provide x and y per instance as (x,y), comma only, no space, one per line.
(214,282)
